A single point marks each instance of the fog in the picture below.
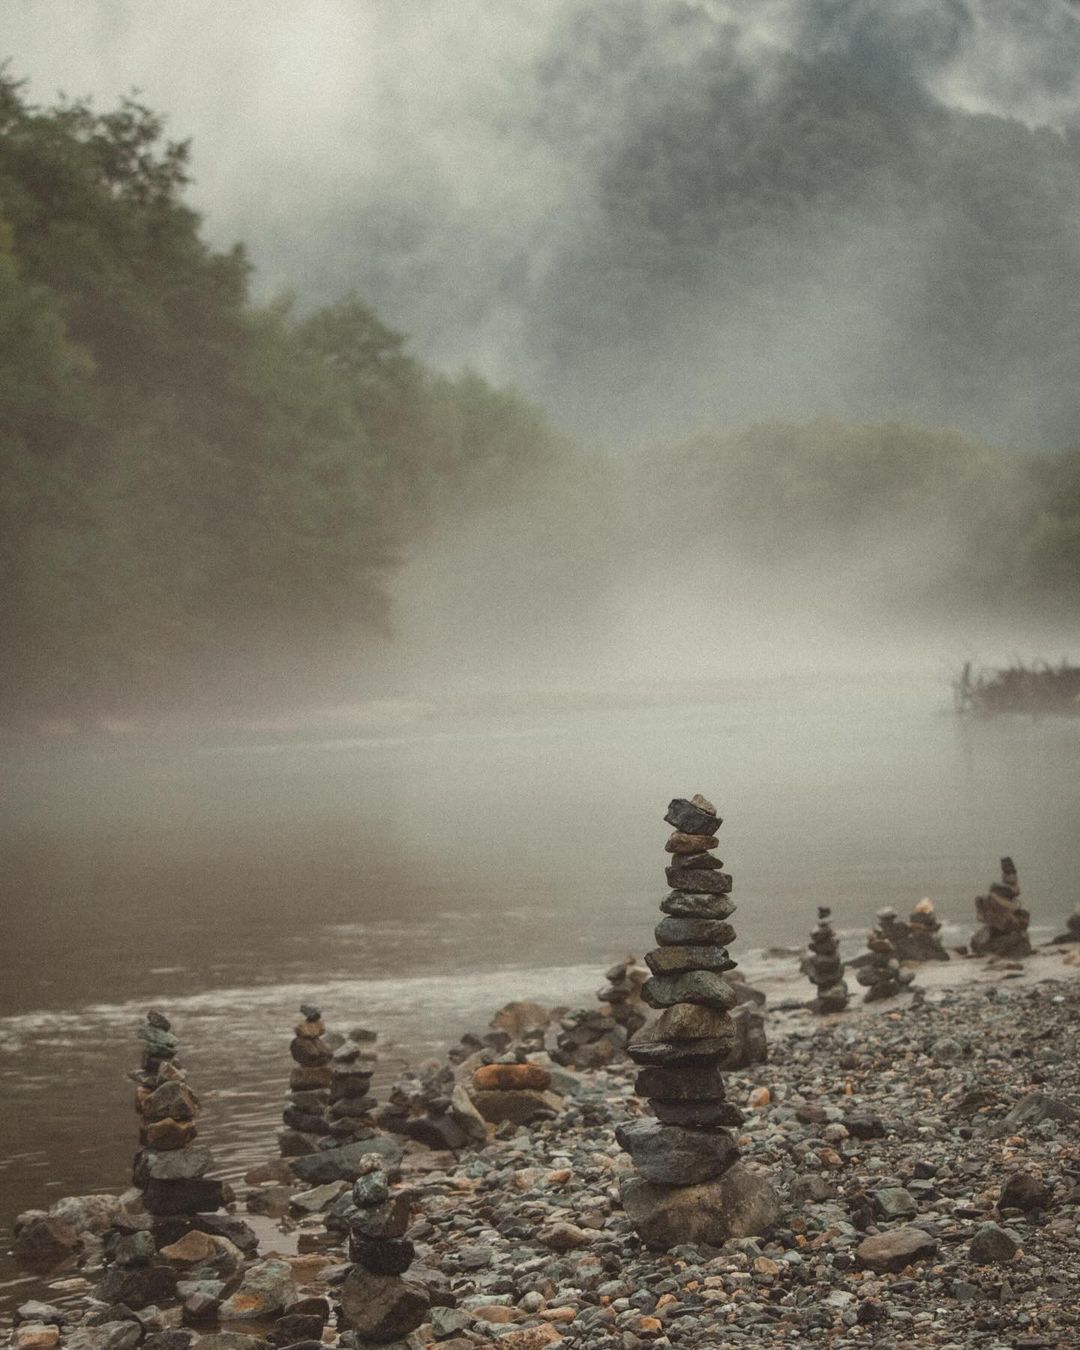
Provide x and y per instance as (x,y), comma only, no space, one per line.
(652,215)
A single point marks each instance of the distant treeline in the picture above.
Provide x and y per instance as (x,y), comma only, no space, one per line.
(937,520)
(195,492)
(203,499)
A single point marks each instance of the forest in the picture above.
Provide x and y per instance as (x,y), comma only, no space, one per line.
(207,499)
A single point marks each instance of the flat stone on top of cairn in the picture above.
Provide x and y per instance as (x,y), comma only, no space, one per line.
(825,968)
(1004,920)
(880,974)
(688,1186)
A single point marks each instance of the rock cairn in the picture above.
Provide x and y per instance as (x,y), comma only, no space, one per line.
(376,1302)
(879,972)
(350,1115)
(305,1114)
(169,1169)
(431,1107)
(591,1038)
(1072,929)
(621,992)
(1004,921)
(825,968)
(688,1186)
(514,1090)
(916,940)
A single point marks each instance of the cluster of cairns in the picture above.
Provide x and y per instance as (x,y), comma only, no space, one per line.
(433,1109)
(1004,921)
(880,972)
(176,1224)
(590,1038)
(377,1303)
(825,968)
(918,939)
(688,1186)
(330,1101)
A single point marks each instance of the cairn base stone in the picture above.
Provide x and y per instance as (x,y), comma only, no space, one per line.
(382,1308)
(738,1204)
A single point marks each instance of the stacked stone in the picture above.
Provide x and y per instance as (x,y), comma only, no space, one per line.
(1004,930)
(924,934)
(377,1304)
(169,1169)
(514,1090)
(688,1188)
(880,973)
(350,1115)
(305,1114)
(1072,929)
(825,968)
(622,994)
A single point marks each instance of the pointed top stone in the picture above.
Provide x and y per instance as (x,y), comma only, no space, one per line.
(694,816)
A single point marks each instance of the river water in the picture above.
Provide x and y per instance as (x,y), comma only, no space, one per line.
(415,875)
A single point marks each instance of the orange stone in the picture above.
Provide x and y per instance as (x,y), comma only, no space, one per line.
(168,1133)
(759,1096)
(511,1077)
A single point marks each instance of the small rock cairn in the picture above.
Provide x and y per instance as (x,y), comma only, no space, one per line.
(1004,930)
(687,1188)
(1072,929)
(825,968)
(169,1169)
(916,940)
(350,1113)
(304,1117)
(377,1303)
(881,975)
(590,1038)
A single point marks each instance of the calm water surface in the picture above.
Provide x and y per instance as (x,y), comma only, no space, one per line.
(414,878)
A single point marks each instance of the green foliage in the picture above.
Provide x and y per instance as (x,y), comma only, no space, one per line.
(200,498)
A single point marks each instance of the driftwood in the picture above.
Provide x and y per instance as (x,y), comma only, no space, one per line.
(1039,688)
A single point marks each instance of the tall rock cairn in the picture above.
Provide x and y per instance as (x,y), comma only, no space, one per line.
(686,1188)
(1004,930)
(825,968)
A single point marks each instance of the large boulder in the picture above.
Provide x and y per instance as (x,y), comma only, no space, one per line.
(519,1106)
(42,1241)
(266,1289)
(895,1249)
(738,1204)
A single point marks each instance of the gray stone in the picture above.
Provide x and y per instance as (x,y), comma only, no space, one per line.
(676,932)
(738,1204)
(993,1245)
(267,1288)
(894,1202)
(688,817)
(894,1250)
(700,881)
(342,1164)
(382,1308)
(675,960)
(697,1082)
(677,1155)
(696,986)
(695,905)
(175,1164)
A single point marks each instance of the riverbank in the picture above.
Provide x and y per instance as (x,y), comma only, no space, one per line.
(913,1113)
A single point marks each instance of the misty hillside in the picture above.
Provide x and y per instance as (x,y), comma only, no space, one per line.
(206,498)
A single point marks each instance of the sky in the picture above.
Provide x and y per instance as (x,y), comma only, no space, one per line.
(651,215)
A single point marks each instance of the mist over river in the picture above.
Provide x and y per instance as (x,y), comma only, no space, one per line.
(414,876)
